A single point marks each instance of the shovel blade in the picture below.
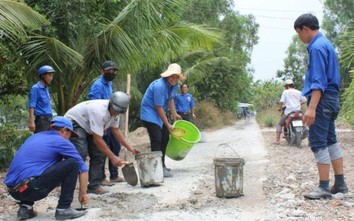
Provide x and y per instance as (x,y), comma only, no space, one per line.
(130,174)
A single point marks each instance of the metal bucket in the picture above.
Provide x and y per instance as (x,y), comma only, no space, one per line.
(229,177)
(150,168)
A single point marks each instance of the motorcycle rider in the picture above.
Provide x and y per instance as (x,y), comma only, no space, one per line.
(291,99)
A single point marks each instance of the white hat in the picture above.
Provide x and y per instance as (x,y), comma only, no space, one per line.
(174,69)
(288,82)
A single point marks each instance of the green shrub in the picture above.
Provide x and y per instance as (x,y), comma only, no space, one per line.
(270,121)
(12,139)
(348,103)
(268,117)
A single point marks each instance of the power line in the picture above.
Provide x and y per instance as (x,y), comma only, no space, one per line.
(278,28)
(275,10)
(273,17)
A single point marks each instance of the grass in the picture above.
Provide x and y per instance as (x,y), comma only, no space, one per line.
(268,118)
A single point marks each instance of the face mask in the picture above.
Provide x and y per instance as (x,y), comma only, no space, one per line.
(109,76)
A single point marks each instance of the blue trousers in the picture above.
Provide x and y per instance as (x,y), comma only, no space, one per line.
(323,132)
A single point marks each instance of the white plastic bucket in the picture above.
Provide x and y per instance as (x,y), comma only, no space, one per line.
(150,169)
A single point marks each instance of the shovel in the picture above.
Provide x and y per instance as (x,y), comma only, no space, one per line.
(130,174)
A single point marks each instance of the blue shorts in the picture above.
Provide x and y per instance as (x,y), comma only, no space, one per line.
(323,132)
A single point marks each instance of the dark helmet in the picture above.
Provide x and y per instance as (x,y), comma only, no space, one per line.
(45,69)
(120,101)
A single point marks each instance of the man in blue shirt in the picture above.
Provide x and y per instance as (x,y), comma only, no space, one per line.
(184,103)
(321,86)
(39,107)
(102,88)
(157,98)
(44,161)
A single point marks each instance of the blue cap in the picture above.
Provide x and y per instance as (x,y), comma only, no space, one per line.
(60,121)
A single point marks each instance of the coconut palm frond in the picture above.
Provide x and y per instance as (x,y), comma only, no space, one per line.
(169,43)
(191,57)
(347,48)
(197,36)
(201,68)
(149,14)
(143,20)
(42,50)
(16,17)
(113,43)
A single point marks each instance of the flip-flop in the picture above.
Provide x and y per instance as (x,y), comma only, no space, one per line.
(130,174)
(276,143)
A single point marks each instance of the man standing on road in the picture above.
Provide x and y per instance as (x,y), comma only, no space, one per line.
(291,99)
(321,86)
(184,103)
(44,161)
(90,120)
(102,89)
(39,107)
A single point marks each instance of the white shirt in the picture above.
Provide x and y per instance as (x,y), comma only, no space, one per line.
(292,99)
(93,116)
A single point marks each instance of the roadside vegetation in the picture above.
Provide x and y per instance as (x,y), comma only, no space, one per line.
(209,38)
(142,37)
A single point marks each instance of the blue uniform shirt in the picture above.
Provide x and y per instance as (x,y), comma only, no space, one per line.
(159,93)
(184,103)
(323,70)
(39,152)
(39,99)
(100,89)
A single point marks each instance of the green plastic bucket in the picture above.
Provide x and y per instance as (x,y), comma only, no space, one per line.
(177,149)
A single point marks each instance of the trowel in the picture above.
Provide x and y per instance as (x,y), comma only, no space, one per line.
(130,174)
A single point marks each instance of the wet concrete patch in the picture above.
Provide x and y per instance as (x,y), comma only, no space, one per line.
(121,205)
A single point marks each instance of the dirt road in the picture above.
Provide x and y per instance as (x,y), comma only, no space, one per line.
(190,193)
(274,181)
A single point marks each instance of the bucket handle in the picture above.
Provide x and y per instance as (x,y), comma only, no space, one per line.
(229,146)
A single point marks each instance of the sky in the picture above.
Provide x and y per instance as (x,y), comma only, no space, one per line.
(276,21)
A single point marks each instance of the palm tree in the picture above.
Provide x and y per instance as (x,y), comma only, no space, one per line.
(16,18)
(144,35)
(347,60)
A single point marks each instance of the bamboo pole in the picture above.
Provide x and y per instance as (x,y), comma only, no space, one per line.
(127,113)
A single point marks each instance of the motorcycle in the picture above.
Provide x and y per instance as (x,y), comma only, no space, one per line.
(294,130)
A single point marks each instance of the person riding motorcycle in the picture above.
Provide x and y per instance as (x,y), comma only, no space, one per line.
(291,99)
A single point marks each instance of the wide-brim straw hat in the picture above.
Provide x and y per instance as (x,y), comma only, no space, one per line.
(174,69)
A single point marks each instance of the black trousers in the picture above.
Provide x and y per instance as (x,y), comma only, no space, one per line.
(42,123)
(185,116)
(64,173)
(158,138)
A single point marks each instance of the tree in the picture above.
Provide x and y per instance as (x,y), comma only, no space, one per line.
(149,31)
(221,76)
(266,94)
(24,21)
(347,60)
(207,11)
(338,18)
(295,64)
